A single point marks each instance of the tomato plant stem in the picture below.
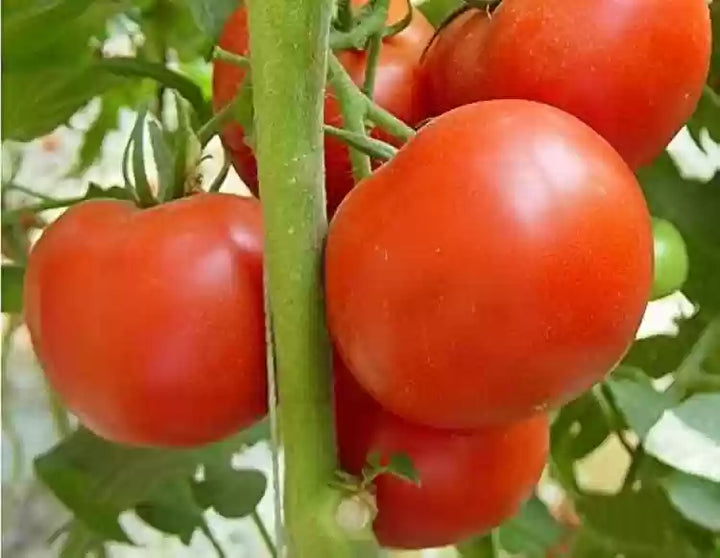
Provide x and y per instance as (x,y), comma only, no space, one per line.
(344,15)
(264,534)
(352,109)
(8,423)
(289,42)
(373,55)
(205,528)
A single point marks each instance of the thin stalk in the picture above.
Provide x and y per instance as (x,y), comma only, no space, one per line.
(373,55)
(388,121)
(612,415)
(231,58)
(28,191)
(205,528)
(691,368)
(288,45)
(353,112)
(264,534)
(370,146)
(129,66)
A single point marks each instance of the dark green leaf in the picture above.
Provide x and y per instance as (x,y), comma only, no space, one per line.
(81,542)
(633,524)
(578,429)
(97,480)
(687,437)
(695,498)
(661,355)
(12,288)
(641,405)
(482,546)
(436,11)
(401,465)
(232,493)
(35,103)
(694,208)
(531,532)
(172,510)
(210,15)
(707,115)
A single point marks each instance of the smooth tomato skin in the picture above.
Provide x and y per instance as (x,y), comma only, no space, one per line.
(474,286)
(149,323)
(671,259)
(399,88)
(470,481)
(631,69)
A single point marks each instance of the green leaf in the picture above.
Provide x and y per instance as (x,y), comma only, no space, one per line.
(532,532)
(97,480)
(482,546)
(401,465)
(633,524)
(172,510)
(164,160)
(695,498)
(44,99)
(687,437)
(81,542)
(694,208)
(641,405)
(47,62)
(12,288)
(707,115)
(210,15)
(436,11)
(662,354)
(231,493)
(578,429)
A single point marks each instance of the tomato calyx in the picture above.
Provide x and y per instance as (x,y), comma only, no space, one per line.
(356,30)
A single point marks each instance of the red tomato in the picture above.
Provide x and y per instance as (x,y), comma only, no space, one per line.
(398,88)
(631,69)
(149,323)
(499,264)
(470,481)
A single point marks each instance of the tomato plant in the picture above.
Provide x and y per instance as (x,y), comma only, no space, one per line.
(134,315)
(633,71)
(535,205)
(469,482)
(671,259)
(485,278)
(398,88)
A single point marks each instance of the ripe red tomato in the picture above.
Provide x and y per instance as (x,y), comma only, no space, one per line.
(499,264)
(149,323)
(470,481)
(633,69)
(398,88)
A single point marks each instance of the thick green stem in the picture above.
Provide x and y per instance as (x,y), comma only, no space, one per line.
(288,45)
(353,112)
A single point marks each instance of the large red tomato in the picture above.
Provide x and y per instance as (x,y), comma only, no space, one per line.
(470,481)
(499,264)
(398,88)
(149,323)
(631,69)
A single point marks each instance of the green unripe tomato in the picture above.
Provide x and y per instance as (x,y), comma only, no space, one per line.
(671,259)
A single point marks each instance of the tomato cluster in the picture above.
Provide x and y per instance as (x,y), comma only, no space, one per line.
(495,268)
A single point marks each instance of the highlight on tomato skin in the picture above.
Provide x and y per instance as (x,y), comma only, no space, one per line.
(470,481)
(633,70)
(149,323)
(491,282)
(399,88)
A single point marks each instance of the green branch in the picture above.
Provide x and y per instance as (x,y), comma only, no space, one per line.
(352,107)
(288,45)
(128,66)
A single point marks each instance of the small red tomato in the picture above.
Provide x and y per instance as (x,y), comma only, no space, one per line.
(470,481)
(398,88)
(633,70)
(498,265)
(149,323)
